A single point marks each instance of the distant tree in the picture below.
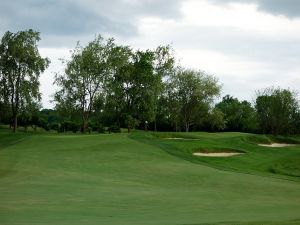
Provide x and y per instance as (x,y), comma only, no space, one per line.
(277,111)
(170,106)
(85,76)
(194,91)
(28,115)
(216,120)
(20,68)
(164,67)
(239,116)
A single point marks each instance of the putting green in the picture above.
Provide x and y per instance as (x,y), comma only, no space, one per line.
(117,179)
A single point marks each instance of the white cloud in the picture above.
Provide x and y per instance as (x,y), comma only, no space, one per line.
(245,17)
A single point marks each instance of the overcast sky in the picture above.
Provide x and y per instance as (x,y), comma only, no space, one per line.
(247,44)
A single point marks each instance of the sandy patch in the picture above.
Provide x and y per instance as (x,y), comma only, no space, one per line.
(217,154)
(276,145)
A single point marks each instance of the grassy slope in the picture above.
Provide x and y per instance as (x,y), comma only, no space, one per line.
(113,179)
(279,162)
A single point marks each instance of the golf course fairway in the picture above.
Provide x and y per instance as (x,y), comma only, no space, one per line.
(145,179)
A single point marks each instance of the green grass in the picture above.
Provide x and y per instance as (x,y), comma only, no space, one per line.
(265,161)
(143,179)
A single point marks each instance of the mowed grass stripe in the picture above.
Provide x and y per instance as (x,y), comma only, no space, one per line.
(113,179)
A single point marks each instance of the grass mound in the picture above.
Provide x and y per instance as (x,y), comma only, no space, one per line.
(179,135)
(287,166)
(217,150)
(258,139)
(255,161)
(269,139)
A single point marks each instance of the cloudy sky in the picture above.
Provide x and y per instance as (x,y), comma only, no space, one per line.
(247,44)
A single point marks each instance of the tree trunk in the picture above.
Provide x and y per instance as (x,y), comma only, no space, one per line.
(186,127)
(85,118)
(84,124)
(118,117)
(175,126)
(15,123)
(118,122)
(129,129)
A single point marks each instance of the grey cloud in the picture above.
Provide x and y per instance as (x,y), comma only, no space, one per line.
(77,18)
(275,61)
(233,41)
(288,8)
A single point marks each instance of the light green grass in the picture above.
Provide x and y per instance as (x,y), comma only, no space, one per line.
(134,180)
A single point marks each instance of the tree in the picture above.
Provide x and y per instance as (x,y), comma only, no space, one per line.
(216,120)
(85,76)
(136,84)
(277,111)
(29,114)
(20,68)
(239,115)
(194,91)
(120,95)
(164,67)
(170,106)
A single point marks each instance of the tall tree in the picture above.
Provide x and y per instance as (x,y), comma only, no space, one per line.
(136,83)
(85,76)
(164,67)
(20,68)
(118,100)
(195,91)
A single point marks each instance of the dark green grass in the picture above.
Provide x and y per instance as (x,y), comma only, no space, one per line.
(114,179)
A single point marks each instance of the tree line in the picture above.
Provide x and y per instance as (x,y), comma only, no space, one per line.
(106,86)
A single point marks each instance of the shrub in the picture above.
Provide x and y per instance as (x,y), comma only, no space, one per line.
(114,129)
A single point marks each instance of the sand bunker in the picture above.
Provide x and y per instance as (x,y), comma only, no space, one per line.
(276,145)
(217,154)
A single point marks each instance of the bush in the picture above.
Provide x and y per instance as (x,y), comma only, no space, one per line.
(114,129)
(54,126)
(100,128)
(69,126)
(97,127)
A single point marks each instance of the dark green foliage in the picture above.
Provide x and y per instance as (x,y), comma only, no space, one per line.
(239,115)
(113,129)
(97,127)
(69,126)
(216,120)
(277,111)
(54,126)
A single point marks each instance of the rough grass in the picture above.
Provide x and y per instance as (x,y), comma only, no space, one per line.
(116,179)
